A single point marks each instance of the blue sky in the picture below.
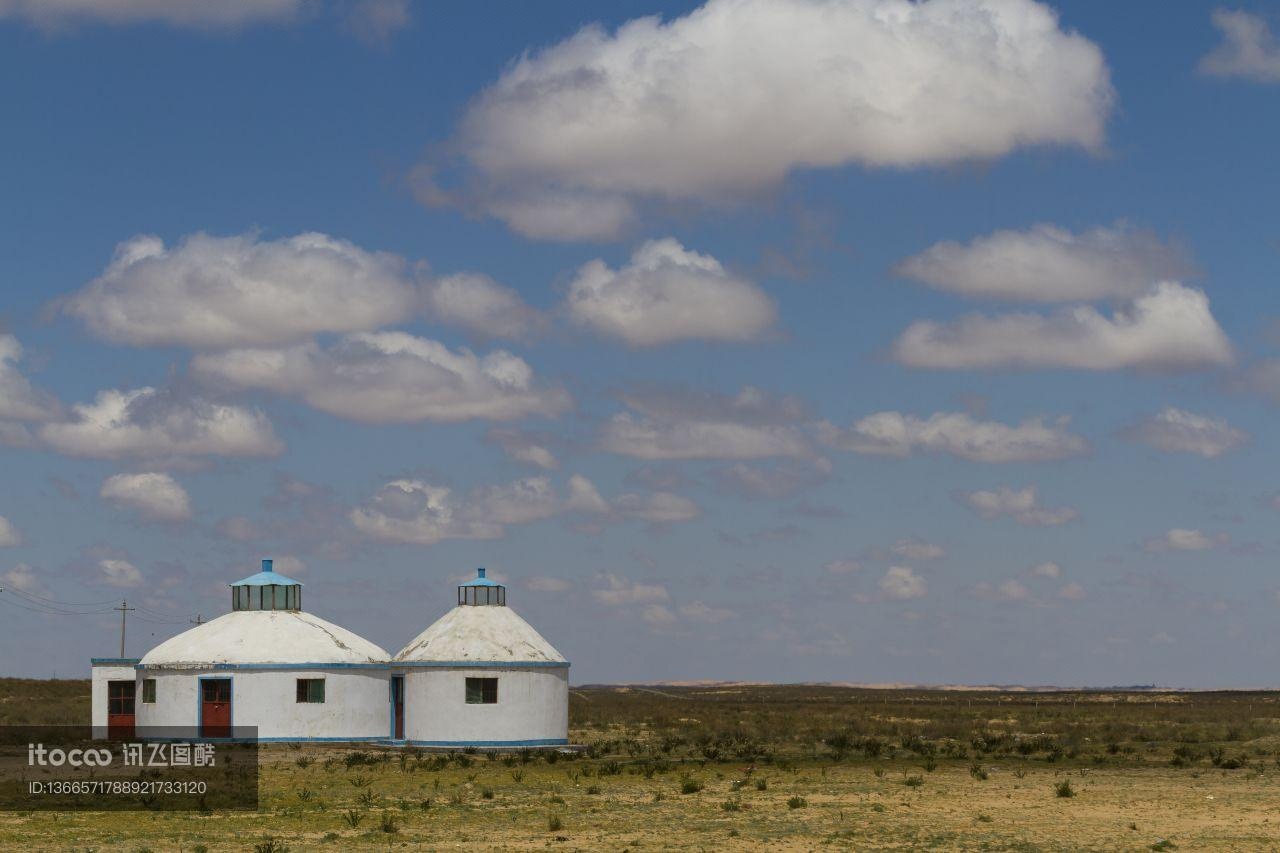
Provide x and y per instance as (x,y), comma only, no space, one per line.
(767,339)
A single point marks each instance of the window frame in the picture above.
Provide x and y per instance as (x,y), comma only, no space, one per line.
(484,689)
(306,691)
(148,691)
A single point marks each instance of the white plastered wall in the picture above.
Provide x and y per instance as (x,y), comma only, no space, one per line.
(533,705)
(102,673)
(356,706)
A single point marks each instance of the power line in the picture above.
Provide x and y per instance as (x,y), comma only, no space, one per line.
(13,603)
(40,599)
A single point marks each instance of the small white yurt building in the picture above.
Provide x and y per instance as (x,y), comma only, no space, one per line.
(269,664)
(481,676)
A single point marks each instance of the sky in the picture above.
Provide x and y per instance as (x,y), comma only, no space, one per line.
(777,340)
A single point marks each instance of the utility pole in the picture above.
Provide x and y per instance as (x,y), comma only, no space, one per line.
(123,608)
(199,620)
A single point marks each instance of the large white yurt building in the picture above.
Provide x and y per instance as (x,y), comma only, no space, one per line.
(267,664)
(482,676)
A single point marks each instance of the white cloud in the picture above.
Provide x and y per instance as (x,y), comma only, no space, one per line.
(1047,263)
(654,507)
(155,496)
(1072,592)
(289,566)
(779,480)
(24,579)
(902,583)
(390,377)
(1047,569)
(186,14)
(524,447)
(1170,327)
(480,305)
(1179,431)
(697,611)
(240,529)
(120,573)
(19,400)
(914,549)
(1182,539)
(620,591)
(750,425)
(1248,48)
(374,22)
(842,567)
(956,433)
(1022,505)
(541,584)
(220,292)
(9,535)
(657,614)
(729,99)
(518,502)
(159,424)
(1013,590)
(414,512)
(668,293)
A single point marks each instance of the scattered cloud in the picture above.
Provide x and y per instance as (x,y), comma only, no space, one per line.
(1168,328)
(657,614)
(684,425)
(526,447)
(901,583)
(1179,431)
(666,294)
(1047,569)
(155,496)
(1248,49)
(842,567)
(375,22)
(656,507)
(915,549)
(54,15)
(1181,539)
(958,434)
(9,535)
(289,566)
(623,592)
(697,611)
(1022,505)
(481,306)
(773,482)
(1072,592)
(573,137)
(543,584)
(418,513)
(119,573)
(241,529)
(160,424)
(390,377)
(19,399)
(24,579)
(1047,263)
(212,292)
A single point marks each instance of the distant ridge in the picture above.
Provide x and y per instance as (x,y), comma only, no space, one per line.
(988,688)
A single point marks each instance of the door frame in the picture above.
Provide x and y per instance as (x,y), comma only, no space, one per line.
(133,717)
(396,681)
(231,711)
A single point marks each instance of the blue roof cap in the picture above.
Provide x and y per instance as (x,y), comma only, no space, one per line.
(267,576)
(481,580)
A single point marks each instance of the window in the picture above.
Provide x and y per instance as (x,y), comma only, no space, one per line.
(482,691)
(310,689)
(148,691)
(120,697)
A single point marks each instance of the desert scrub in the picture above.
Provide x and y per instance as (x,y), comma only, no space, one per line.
(797,802)
(978,772)
(690,786)
(914,781)
(1064,789)
(554,823)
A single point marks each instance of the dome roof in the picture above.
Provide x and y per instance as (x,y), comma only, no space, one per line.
(264,636)
(482,634)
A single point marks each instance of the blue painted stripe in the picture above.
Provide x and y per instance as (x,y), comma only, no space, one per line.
(369,739)
(393,665)
(466,743)
(113,661)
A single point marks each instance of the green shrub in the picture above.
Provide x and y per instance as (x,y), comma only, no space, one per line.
(690,786)
(1064,789)
(797,802)
(554,824)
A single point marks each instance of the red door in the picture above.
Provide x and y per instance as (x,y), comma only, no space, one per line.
(397,705)
(120,695)
(215,707)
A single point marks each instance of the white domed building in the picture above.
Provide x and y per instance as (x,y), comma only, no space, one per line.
(482,676)
(268,664)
